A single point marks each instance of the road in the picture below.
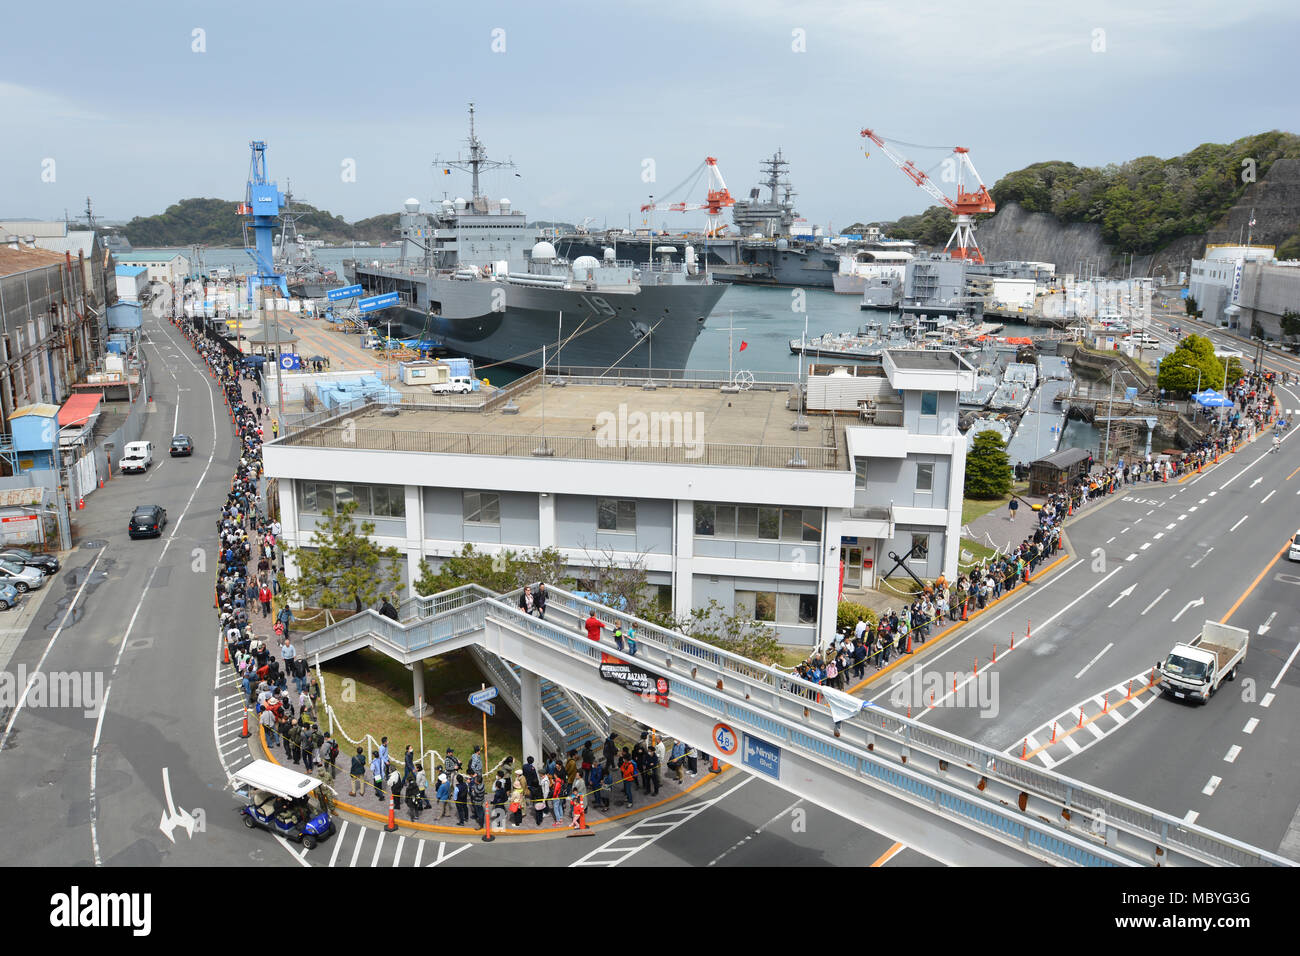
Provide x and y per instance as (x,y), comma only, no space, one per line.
(1150,565)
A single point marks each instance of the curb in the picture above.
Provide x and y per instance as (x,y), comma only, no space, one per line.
(563,831)
(933,642)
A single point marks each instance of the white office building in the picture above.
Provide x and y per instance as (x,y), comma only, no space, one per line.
(164,267)
(1215,282)
(722,494)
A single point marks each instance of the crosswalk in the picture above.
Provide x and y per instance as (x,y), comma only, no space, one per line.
(228,720)
(1079,727)
(355,845)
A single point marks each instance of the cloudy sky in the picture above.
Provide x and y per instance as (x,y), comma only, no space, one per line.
(139,104)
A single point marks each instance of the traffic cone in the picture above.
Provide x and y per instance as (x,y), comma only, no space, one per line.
(995,653)
(1129,687)
(225,652)
(715,767)
(1105,703)
(1080,717)
(392,818)
(244,733)
(1024,748)
(1053,731)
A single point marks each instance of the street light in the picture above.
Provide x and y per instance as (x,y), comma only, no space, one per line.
(1198,376)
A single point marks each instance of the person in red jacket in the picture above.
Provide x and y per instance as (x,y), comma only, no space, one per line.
(264,595)
(593,625)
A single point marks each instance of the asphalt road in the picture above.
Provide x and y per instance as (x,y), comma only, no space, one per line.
(1149,567)
(87,788)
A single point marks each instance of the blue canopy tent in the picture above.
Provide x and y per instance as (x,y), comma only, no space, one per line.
(1212,399)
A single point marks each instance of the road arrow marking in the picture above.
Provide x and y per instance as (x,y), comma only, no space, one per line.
(1256,481)
(174,816)
(1123,594)
(1263,628)
(1201,558)
(1156,601)
(1197,603)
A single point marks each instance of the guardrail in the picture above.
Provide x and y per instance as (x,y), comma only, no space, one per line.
(846,733)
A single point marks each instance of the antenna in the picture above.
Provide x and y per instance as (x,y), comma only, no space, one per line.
(476,162)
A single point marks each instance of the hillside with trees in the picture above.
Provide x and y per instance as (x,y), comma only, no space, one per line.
(215,222)
(1141,205)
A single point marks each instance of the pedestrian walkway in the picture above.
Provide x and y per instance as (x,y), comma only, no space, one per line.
(1085,723)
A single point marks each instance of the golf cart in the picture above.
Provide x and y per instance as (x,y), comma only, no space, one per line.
(283,801)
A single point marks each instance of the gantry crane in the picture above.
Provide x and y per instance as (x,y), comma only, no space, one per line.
(262,204)
(964,209)
(718,197)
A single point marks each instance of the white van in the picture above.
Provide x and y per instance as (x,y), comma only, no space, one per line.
(137,456)
(1294,553)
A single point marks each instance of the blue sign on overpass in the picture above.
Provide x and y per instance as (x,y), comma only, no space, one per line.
(761,756)
(346,292)
(377,302)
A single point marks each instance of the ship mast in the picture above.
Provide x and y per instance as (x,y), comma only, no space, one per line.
(475,162)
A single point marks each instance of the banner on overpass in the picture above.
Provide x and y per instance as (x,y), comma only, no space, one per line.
(647,686)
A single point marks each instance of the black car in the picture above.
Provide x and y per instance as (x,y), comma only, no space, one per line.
(41,562)
(182,445)
(147,521)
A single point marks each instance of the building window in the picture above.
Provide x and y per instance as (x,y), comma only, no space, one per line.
(616,514)
(383,501)
(388,501)
(929,403)
(769,524)
(482,507)
(705,518)
(920,547)
(756,605)
(925,476)
(663,596)
(860,474)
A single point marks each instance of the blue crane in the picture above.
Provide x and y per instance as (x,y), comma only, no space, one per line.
(262,204)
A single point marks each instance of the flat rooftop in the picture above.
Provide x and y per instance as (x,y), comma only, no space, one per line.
(929,360)
(688,422)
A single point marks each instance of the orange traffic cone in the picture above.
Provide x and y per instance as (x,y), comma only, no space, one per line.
(244,733)
(1024,748)
(225,652)
(392,819)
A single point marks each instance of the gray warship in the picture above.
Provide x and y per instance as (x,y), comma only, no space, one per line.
(294,259)
(474,277)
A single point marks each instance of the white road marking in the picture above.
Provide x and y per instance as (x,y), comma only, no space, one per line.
(338,842)
(1231,755)
(299,855)
(1110,539)
(126,637)
(397,855)
(1238,524)
(1150,513)
(1093,661)
(1137,520)
(1250,726)
(1156,601)
(374,860)
(1170,526)
(1131,556)
(1213,785)
(1096,731)
(755,833)
(1182,517)
(1203,501)
(419,852)
(1267,496)
(444,856)
(1145,545)
(1213,493)
(1191,816)
(1191,509)
(683,816)
(356,850)
(1277,680)
(1266,700)
(1070,745)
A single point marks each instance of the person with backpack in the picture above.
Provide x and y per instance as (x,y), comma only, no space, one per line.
(329,757)
(461,798)
(357,775)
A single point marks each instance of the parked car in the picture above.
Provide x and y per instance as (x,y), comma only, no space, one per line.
(42,562)
(182,445)
(137,457)
(147,521)
(9,596)
(20,576)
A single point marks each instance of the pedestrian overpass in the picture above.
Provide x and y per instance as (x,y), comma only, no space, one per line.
(948,797)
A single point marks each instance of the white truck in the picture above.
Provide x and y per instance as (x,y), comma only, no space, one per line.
(1195,670)
(136,456)
(457,383)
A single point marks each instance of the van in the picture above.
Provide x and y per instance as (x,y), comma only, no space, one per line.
(137,456)
(1294,553)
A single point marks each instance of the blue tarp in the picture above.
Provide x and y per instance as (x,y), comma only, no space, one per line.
(1212,399)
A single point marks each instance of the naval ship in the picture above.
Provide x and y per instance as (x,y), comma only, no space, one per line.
(294,259)
(472,275)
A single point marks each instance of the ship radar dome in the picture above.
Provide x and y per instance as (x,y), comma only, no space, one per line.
(782,244)
(505,204)
(608,254)
(412,205)
(543,252)
(585,262)
(460,202)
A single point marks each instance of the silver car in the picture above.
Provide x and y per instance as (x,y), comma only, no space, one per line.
(23,578)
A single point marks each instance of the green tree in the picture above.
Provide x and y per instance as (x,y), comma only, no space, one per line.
(1290,323)
(732,632)
(1198,352)
(988,469)
(342,564)
(848,612)
(1235,370)
(1190,307)
(499,572)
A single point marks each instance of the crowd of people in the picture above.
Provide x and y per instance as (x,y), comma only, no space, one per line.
(872,643)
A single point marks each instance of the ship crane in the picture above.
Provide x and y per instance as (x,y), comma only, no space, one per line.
(967,205)
(718,197)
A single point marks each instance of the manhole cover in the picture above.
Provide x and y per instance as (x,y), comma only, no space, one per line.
(94,543)
(141,644)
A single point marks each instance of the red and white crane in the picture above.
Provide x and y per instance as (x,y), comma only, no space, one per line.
(718,198)
(961,243)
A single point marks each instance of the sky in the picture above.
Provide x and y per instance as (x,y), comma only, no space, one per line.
(602,105)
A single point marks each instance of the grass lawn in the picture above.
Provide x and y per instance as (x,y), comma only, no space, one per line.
(381,692)
(972,508)
(979,551)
